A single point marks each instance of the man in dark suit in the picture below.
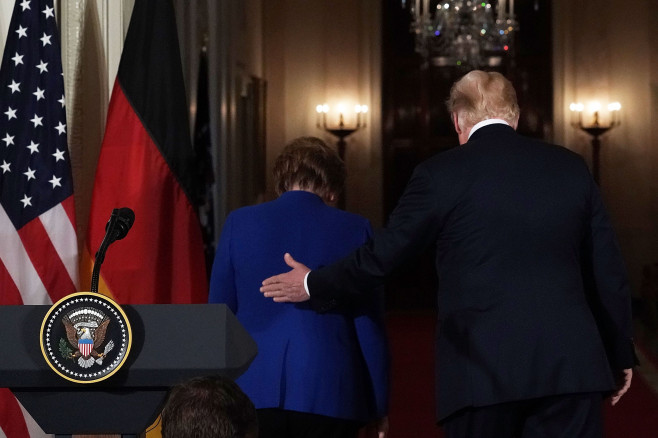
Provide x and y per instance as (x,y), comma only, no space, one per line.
(534,304)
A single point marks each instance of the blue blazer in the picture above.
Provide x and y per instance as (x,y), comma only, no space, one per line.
(334,364)
(533,295)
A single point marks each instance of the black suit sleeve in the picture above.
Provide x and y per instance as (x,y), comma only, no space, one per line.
(412,226)
(609,292)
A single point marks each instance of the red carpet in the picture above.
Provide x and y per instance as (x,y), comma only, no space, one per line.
(412,415)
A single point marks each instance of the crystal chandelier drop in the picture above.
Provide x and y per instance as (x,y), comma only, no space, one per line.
(465,33)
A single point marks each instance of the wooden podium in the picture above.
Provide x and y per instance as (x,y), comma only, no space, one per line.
(171,343)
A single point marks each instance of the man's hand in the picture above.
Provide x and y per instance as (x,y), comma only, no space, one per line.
(375,429)
(288,287)
(382,427)
(623,384)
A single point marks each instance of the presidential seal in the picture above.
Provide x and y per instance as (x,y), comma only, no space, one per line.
(85,337)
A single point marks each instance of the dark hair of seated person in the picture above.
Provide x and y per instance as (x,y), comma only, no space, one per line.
(209,407)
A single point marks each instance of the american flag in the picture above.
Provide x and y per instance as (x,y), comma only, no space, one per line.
(38,246)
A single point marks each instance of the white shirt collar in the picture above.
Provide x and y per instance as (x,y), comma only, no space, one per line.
(486,122)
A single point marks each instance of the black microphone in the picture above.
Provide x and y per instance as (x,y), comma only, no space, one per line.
(116,229)
(120,222)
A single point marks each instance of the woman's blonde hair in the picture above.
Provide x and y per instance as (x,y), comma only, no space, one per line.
(483,95)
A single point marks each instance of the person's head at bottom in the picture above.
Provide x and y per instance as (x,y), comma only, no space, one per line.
(208,407)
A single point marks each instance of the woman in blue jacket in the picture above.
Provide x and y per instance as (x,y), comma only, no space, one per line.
(316,374)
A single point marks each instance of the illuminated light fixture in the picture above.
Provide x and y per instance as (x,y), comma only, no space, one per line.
(595,127)
(341,131)
(463,32)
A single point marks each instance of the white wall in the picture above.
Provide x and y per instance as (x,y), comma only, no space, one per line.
(598,54)
(5,16)
(318,51)
(6,7)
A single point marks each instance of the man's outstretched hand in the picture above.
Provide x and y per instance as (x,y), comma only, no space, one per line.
(288,287)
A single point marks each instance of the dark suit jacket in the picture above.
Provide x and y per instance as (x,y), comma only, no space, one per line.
(520,234)
(333,364)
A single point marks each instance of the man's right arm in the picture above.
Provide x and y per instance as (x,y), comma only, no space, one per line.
(413,225)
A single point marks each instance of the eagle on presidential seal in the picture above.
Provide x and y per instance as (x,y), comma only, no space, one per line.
(86,328)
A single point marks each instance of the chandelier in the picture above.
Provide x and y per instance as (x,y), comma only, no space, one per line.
(465,33)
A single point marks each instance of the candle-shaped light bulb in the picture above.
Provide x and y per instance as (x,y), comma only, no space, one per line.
(322,114)
(576,108)
(341,110)
(614,109)
(595,107)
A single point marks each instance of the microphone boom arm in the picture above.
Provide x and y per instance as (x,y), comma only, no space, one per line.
(117,227)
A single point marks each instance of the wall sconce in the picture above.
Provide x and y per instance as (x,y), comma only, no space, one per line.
(596,128)
(341,131)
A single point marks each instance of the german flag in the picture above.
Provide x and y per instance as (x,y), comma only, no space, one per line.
(147,163)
